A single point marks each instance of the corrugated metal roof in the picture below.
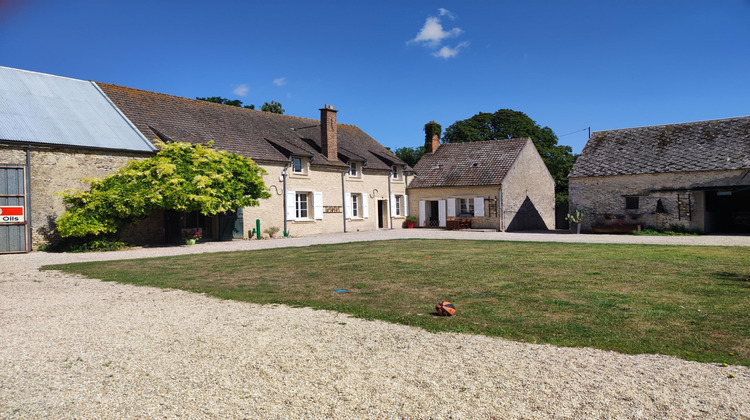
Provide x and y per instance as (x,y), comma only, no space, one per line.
(42,108)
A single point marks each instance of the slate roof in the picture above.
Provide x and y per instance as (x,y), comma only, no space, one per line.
(478,163)
(38,108)
(261,136)
(712,145)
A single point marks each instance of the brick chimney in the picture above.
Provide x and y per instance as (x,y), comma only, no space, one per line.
(431,146)
(329,141)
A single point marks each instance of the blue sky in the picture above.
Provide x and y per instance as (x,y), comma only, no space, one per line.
(392,66)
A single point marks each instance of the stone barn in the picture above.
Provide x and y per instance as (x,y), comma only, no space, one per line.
(693,176)
(55,131)
(499,184)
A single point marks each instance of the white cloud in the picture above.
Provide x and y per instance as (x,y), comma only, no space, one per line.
(281,81)
(447,52)
(432,33)
(446,12)
(241,90)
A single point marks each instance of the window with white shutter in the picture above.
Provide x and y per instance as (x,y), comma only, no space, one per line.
(451,207)
(318,205)
(290,205)
(479,206)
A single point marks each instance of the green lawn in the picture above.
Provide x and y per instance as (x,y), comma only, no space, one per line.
(691,302)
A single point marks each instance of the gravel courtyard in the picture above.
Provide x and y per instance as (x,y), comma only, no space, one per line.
(72,347)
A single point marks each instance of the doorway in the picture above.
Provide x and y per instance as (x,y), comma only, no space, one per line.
(728,211)
(381,214)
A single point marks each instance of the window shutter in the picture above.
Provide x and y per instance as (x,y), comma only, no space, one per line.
(318,205)
(406,205)
(441,212)
(421,212)
(479,206)
(348,206)
(393,205)
(291,199)
(451,207)
(365,206)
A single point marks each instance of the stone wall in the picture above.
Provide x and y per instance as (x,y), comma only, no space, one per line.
(54,170)
(528,196)
(663,199)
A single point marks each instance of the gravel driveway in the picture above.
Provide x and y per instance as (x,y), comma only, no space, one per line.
(73,347)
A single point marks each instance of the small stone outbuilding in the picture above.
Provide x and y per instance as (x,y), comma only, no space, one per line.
(693,176)
(498,184)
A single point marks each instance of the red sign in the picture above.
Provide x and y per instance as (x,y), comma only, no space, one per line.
(12,214)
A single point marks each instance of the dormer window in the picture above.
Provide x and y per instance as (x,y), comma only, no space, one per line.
(395,172)
(354,171)
(299,165)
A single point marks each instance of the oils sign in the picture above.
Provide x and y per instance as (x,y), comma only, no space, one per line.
(12,214)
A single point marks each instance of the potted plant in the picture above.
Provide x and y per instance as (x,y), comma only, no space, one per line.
(272,231)
(410,222)
(575,218)
(191,236)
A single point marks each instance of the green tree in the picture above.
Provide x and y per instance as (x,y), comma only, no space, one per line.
(506,124)
(182,176)
(225,101)
(410,155)
(430,129)
(273,107)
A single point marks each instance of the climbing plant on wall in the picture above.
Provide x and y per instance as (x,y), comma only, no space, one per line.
(183,177)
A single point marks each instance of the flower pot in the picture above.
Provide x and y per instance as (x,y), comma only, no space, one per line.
(577,227)
(190,241)
(409,224)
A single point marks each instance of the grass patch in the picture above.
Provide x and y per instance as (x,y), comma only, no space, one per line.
(690,302)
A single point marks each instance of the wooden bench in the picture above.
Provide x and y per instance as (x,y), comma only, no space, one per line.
(458,224)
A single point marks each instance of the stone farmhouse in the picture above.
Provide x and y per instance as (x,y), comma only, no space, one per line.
(694,175)
(54,131)
(324,177)
(499,184)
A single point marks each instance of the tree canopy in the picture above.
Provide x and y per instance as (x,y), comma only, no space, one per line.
(225,101)
(273,107)
(506,124)
(410,155)
(182,177)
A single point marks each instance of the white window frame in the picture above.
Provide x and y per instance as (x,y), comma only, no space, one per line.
(298,210)
(354,169)
(395,172)
(356,198)
(397,203)
(466,206)
(302,165)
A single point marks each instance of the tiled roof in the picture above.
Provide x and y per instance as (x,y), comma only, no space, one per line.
(468,164)
(695,146)
(261,136)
